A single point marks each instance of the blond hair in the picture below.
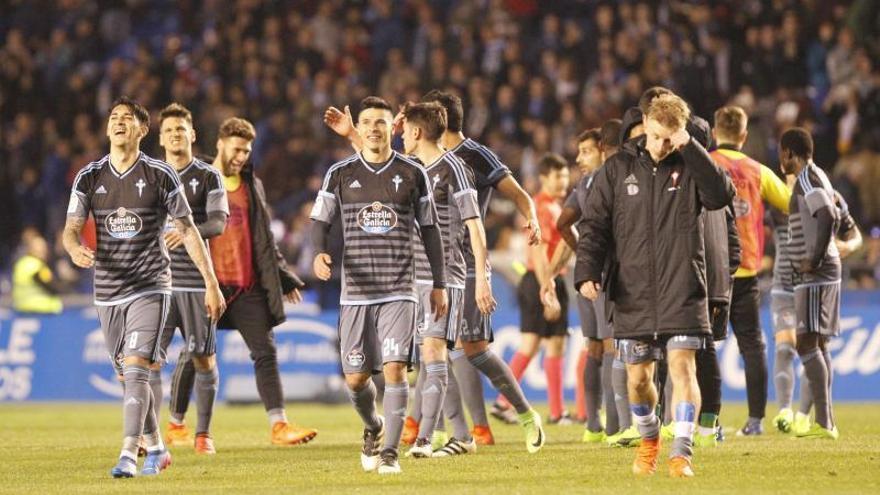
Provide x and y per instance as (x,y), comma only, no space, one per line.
(669,110)
(730,123)
(237,127)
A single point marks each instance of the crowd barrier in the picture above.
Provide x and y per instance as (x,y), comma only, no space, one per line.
(63,357)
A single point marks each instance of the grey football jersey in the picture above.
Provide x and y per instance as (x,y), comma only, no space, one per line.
(379,206)
(205,194)
(456,201)
(782,262)
(812,191)
(488,171)
(130,212)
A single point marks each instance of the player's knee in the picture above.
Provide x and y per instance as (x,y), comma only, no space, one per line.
(356,381)
(204,363)
(608,347)
(474,348)
(595,349)
(785,337)
(137,361)
(433,350)
(807,344)
(395,372)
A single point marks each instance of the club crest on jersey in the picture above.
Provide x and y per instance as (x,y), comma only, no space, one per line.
(397,181)
(376,218)
(140,185)
(194,183)
(355,358)
(123,224)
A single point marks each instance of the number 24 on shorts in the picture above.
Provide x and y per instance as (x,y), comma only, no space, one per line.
(390,348)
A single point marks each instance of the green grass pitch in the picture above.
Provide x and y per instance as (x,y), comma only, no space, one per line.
(70,448)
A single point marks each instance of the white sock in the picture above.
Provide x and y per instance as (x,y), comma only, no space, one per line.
(277,416)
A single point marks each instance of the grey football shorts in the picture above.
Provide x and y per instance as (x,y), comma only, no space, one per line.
(134,328)
(637,351)
(187,312)
(374,334)
(782,310)
(476,326)
(818,309)
(447,327)
(594,324)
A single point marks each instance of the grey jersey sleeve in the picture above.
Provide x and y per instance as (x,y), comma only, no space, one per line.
(817,199)
(463,191)
(216,197)
(326,205)
(426,212)
(80,197)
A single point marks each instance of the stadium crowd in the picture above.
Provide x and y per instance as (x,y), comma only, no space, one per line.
(533,75)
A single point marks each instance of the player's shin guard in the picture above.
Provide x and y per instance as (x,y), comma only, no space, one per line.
(156,388)
(647,420)
(207,383)
(453,409)
(433,393)
(783,374)
(135,405)
(621,394)
(364,401)
(816,370)
(828,364)
(593,392)
(394,406)
(182,381)
(612,423)
(502,379)
(470,386)
(416,406)
(682,445)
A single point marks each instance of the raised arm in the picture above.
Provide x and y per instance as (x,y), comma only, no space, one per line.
(511,189)
(714,187)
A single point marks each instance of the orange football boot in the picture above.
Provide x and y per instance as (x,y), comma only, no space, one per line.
(483,435)
(178,435)
(284,433)
(680,467)
(205,444)
(646,457)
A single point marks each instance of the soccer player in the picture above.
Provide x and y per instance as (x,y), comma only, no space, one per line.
(645,205)
(380,196)
(458,213)
(489,174)
(848,240)
(596,362)
(206,196)
(255,281)
(544,314)
(755,183)
(813,220)
(131,195)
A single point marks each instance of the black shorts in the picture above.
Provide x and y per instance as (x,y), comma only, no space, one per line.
(532,311)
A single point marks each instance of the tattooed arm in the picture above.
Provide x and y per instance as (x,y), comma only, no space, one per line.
(196,249)
(81,256)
